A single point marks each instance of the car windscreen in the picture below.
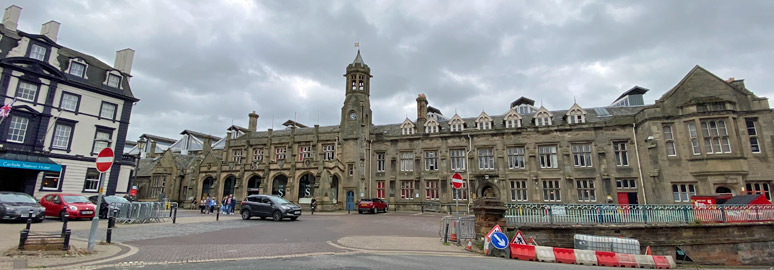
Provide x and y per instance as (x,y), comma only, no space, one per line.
(16,198)
(365,200)
(115,199)
(75,199)
(280,200)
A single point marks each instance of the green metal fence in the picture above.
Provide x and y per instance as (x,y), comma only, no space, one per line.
(635,214)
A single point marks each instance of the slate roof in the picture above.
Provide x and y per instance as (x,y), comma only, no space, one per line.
(200,135)
(146,166)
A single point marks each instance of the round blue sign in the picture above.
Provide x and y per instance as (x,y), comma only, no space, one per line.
(499,240)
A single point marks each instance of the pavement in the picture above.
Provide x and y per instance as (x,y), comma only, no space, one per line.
(198,238)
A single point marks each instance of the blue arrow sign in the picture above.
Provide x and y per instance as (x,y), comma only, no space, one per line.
(499,240)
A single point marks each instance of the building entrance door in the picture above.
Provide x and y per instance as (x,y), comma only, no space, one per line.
(627,198)
(350,200)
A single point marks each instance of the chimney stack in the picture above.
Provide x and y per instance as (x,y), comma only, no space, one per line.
(253,123)
(11,17)
(152,153)
(124,59)
(206,145)
(421,113)
(50,30)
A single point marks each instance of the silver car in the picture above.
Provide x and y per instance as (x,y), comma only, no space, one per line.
(17,206)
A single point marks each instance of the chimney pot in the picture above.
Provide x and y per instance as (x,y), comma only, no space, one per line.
(124,59)
(50,30)
(11,17)
(253,122)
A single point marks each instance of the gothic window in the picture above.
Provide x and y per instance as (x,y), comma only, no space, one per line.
(669,141)
(542,117)
(431,126)
(407,128)
(715,135)
(576,115)
(752,132)
(457,124)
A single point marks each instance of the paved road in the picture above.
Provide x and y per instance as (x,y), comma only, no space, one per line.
(372,261)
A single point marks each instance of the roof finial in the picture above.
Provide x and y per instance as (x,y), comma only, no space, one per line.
(573,100)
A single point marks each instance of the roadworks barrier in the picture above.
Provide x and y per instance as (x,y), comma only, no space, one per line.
(564,255)
(645,261)
(606,258)
(586,257)
(626,260)
(523,252)
(545,254)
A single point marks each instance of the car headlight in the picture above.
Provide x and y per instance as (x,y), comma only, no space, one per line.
(73,208)
(286,207)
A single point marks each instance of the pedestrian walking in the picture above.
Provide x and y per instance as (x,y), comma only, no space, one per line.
(224,204)
(202,205)
(194,203)
(313,204)
(212,204)
(233,204)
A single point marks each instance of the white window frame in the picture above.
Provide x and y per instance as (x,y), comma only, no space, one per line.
(27,91)
(38,52)
(67,103)
(407,189)
(552,190)
(257,154)
(279,153)
(682,192)
(519,191)
(380,161)
(586,190)
(114,80)
(486,159)
(103,111)
(101,142)
(431,190)
(581,155)
(431,160)
(669,141)
(548,157)
(457,159)
(51,176)
(304,152)
(621,153)
(692,133)
(329,152)
(406,161)
(91,184)
(752,133)
(62,134)
(716,137)
(516,158)
(77,69)
(236,156)
(17,130)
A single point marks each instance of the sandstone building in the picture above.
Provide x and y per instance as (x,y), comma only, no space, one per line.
(704,136)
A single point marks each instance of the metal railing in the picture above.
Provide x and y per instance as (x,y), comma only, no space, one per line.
(141,212)
(635,214)
(466,225)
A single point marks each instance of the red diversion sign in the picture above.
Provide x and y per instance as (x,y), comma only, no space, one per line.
(105,160)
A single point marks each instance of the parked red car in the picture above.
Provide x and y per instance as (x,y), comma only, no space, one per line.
(75,205)
(371,205)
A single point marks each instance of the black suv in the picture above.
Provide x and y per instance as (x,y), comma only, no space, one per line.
(269,206)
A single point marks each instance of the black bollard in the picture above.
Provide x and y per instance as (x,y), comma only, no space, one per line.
(170,211)
(66,244)
(23,238)
(29,220)
(174,217)
(446,234)
(64,224)
(217,215)
(109,235)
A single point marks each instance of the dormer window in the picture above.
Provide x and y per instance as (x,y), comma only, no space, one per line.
(484,122)
(542,117)
(456,124)
(38,52)
(114,80)
(576,115)
(407,128)
(77,67)
(512,119)
(431,126)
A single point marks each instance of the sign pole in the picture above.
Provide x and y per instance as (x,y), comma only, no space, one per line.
(95,220)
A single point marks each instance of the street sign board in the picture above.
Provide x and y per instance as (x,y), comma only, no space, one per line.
(496,228)
(105,160)
(457,181)
(499,240)
(519,239)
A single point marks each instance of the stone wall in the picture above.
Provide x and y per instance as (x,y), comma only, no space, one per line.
(724,244)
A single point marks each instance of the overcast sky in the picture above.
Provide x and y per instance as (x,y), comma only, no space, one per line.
(203,65)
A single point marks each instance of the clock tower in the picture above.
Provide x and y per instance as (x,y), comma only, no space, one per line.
(356,112)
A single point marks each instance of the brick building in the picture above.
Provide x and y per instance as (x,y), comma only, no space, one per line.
(704,136)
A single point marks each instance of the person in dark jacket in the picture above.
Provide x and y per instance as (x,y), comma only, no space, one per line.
(313,204)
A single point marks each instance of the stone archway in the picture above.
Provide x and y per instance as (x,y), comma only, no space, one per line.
(228,185)
(278,185)
(306,186)
(254,185)
(488,190)
(207,186)
(723,190)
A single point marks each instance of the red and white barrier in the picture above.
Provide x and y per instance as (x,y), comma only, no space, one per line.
(564,255)
(586,257)
(589,257)
(523,252)
(545,254)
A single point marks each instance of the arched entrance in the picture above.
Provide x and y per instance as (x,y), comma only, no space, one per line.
(228,185)
(305,189)
(207,186)
(723,190)
(335,189)
(253,185)
(278,185)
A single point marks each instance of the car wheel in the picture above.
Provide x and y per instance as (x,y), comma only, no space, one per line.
(385,209)
(374,210)
(62,216)
(245,214)
(359,212)
(293,218)
(277,216)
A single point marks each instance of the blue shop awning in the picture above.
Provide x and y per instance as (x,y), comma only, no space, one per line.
(28,162)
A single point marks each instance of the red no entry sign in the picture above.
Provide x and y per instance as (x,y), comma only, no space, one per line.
(105,159)
(457,181)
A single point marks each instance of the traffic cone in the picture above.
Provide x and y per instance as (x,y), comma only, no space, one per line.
(486,246)
(470,244)
(647,251)
(454,233)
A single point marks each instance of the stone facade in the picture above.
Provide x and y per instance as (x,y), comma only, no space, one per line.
(618,154)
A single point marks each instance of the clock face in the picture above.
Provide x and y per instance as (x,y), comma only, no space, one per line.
(352,115)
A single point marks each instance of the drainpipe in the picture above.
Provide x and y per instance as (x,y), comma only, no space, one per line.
(370,152)
(467,169)
(639,165)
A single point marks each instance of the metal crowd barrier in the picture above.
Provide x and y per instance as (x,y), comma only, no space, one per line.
(141,212)
(466,225)
(635,214)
